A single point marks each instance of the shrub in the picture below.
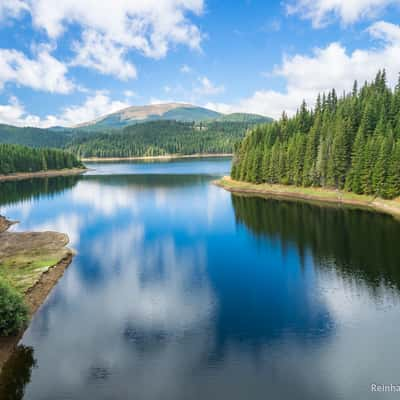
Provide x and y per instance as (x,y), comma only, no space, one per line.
(13,311)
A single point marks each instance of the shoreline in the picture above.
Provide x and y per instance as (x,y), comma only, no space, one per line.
(42,174)
(36,291)
(155,158)
(34,298)
(319,195)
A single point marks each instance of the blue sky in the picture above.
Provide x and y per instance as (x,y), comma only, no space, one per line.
(68,61)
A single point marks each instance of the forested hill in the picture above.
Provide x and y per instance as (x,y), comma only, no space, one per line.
(34,137)
(350,143)
(15,158)
(149,138)
(160,138)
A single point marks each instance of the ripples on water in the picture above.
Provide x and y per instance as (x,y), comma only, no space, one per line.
(182,291)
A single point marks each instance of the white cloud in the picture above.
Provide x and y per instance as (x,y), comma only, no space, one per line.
(110,31)
(14,114)
(94,106)
(321,12)
(130,93)
(102,54)
(207,88)
(12,8)
(41,73)
(389,33)
(330,67)
(185,69)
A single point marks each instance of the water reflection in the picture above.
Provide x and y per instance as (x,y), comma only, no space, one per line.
(357,244)
(16,374)
(181,291)
(29,189)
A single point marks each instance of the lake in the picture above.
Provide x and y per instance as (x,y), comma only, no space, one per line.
(181,290)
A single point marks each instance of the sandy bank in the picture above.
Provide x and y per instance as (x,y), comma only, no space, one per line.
(153,158)
(311,194)
(42,174)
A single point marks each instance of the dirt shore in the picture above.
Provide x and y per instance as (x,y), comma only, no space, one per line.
(33,263)
(42,174)
(153,158)
(320,195)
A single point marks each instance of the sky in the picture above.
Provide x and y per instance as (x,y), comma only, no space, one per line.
(69,61)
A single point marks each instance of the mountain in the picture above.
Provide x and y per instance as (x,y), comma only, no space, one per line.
(158,129)
(139,114)
(180,112)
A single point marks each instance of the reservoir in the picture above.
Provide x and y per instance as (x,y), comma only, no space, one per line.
(181,290)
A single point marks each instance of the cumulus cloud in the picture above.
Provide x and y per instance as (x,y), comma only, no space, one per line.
(321,12)
(94,106)
(109,32)
(326,68)
(102,54)
(208,88)
(44,72)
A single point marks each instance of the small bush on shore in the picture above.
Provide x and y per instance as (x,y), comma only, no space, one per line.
(13,311)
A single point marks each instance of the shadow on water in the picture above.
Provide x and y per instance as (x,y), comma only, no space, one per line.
(356,243)
(12,192)
(12,384)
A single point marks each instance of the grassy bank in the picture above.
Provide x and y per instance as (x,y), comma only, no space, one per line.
(31,264)
(312,194)
(42,174)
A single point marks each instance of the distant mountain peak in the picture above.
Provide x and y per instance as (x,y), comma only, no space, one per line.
(183,112)
(134,114)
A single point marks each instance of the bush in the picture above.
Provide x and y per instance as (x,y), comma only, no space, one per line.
(13,311)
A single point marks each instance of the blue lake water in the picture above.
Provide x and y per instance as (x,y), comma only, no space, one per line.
(180,290)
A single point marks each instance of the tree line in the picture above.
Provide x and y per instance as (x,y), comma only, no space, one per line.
(351,142)
(160,138)
(16,158)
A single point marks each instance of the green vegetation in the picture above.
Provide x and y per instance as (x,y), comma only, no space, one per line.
(243,117)
(313,194)
(13,311)
(154,138)
(34,137)
(351,143)
(23,271)
(161,138)
(16,158)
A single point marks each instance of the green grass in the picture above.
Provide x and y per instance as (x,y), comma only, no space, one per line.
(24,271)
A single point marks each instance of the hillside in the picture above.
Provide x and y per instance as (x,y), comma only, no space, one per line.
(140,114)
(243,117)
(160,138)
(169,111)
(139,131)
(34,137)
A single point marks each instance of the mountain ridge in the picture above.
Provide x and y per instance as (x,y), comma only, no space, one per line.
(182,112)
